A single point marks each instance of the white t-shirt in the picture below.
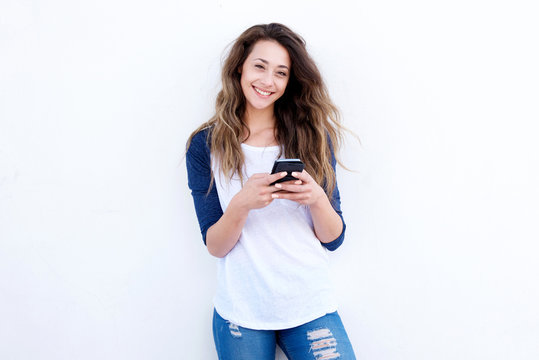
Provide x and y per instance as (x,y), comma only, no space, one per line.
(277,276)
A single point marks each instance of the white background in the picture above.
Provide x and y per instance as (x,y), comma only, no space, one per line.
(100,251)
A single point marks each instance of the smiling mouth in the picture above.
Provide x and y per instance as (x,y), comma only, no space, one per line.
(262,92)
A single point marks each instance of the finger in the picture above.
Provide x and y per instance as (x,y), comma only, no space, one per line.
(304,175)
(274,188)
(274,177)
(290,196)
(267,199)
(290,187)
(291,182)
(258,176)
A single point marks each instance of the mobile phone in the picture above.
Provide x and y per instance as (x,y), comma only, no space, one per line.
(288,165)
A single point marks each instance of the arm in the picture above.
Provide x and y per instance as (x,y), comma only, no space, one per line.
(225,233)
(221,231)
(207,206)
(328,222)
(328,225)
(255,194)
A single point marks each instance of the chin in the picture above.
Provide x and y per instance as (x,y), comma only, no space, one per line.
(259,106)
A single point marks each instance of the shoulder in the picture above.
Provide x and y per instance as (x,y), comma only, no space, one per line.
(198,150)
(200,140)
(198,145)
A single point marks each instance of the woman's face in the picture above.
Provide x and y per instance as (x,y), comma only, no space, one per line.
(265,74)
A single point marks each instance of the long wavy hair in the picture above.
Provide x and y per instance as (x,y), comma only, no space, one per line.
(307,126)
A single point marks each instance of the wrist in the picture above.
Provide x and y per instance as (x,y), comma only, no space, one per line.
(320,202)
(238,206)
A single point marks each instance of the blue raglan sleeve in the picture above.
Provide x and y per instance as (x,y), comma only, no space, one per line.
(207,205)
(336,203)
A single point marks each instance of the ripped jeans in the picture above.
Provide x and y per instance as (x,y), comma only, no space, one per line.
(323,338)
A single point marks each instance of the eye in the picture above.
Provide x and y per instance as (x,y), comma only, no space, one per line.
(282,73)
(258,66)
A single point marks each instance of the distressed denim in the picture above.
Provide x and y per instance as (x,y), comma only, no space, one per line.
(321,339)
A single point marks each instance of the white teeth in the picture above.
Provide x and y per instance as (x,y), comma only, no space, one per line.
(265,93)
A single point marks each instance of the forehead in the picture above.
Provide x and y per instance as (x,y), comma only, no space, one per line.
(271,51)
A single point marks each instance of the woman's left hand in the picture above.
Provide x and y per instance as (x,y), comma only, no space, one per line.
(304,191)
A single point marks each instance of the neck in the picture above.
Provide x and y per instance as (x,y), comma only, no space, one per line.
(261,124)
(259,118)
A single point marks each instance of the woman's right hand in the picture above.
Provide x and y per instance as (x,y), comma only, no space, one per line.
(256,192)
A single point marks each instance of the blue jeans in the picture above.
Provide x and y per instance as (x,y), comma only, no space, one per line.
(322,338)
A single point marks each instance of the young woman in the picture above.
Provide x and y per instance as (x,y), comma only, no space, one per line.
(274,285)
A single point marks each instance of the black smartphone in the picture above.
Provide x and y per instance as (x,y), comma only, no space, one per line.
(288,165)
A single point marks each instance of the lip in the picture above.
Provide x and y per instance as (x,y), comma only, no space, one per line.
(256,90)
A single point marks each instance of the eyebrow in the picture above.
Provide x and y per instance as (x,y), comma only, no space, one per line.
(266,62)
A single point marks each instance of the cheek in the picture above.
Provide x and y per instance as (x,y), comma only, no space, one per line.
(242,78)
(283,85)
(246,80)
(244,83)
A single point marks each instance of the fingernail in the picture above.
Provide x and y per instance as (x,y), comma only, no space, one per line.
(283,173)
(298,182)
(275,196)
(294,174)
(278,186)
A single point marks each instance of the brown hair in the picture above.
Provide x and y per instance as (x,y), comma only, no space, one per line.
(308,123)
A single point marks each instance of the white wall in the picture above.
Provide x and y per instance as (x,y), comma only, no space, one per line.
(100,254)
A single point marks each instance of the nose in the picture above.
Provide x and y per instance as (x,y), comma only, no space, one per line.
(267,78)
